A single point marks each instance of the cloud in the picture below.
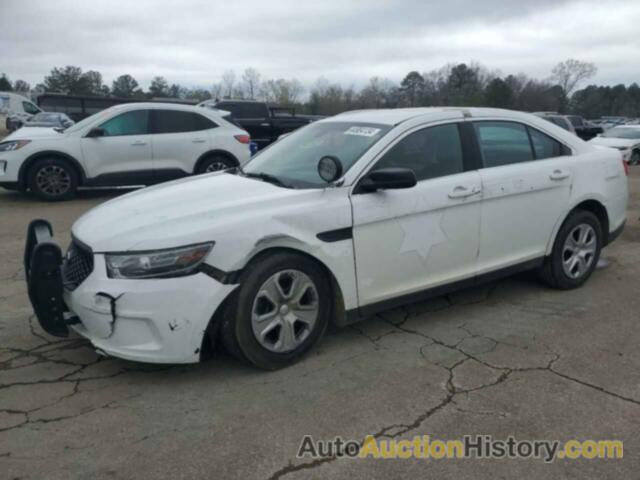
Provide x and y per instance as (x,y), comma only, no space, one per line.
(194,41)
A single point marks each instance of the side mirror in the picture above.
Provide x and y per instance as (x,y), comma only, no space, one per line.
(330,168)
(387,179)
(96,132)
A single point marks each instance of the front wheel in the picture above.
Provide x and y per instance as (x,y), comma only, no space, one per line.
(281,311)
(52,179)
(576,251)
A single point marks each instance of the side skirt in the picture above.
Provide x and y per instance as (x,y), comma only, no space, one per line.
(358,314)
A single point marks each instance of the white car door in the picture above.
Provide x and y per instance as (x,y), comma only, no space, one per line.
(421,237)
(122,155)
(180,138)
(526,182)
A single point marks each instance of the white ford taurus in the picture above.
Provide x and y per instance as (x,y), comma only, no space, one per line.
(345,217)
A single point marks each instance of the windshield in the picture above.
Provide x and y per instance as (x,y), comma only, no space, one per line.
(294,159)
(621,132)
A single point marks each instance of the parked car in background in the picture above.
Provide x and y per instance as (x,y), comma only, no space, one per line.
(625,138)
(265,123)
(131,144)
(49,120)
(341,219)
(17,109)
(560,120)
(584,128)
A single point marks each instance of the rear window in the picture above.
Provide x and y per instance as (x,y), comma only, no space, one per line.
(176,121)
(244,110)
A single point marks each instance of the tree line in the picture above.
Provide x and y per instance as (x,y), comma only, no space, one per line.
(452,85)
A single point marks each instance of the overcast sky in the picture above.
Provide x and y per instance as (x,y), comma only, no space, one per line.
(193,42)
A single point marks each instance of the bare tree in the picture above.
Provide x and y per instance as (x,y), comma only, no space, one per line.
(251,78)
(570,73)
(228,82)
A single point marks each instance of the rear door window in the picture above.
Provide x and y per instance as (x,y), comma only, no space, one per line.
(503,143)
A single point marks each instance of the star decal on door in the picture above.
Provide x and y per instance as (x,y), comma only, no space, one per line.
(421,233)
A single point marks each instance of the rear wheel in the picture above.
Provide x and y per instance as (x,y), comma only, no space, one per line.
(215,163)
(635,158)
(52,179)
(281,311)
(576,251)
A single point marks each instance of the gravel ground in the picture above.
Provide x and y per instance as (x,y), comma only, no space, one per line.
(511,358)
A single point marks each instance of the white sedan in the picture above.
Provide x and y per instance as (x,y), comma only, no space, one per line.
(130,144)
(625,138)
(341,219)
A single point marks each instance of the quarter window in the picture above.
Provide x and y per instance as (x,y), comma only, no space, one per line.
(503,143)
(544,146)
(432,152)
(176,121)
(129,123)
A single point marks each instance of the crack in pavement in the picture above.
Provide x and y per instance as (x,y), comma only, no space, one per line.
(395,430)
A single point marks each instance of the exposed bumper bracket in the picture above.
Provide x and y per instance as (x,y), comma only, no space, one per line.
(42,262)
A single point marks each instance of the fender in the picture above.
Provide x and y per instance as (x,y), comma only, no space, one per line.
(24,168)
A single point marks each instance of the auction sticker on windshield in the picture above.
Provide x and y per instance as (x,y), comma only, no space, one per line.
(362,131)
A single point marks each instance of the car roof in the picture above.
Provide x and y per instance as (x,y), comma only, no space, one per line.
(123,107)
(395,116)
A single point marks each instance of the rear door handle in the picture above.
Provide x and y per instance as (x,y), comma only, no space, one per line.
(461,191)
(559,175)
(138,143)
(198,140)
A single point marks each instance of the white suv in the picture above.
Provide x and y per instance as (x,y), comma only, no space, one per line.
(340,219)
(131,144)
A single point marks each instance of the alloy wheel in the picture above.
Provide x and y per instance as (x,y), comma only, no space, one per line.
(579,251)
(216,166)
(53,180)
(285,311)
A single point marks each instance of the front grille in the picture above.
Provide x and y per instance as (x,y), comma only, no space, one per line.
(77,265)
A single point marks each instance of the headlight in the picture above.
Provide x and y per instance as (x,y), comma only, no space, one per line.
(173,262)
(13,145)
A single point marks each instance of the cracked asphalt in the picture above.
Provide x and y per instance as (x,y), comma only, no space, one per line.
(511,358)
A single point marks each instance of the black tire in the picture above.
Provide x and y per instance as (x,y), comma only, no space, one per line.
(53,165)
(237,332)
(215,163)
(635,158)
(553,271)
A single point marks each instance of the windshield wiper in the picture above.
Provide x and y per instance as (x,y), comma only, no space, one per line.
(267,178)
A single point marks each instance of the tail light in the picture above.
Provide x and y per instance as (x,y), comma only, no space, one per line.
(246,139)
(626,167)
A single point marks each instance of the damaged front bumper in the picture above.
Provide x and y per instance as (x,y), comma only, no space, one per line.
(149,320)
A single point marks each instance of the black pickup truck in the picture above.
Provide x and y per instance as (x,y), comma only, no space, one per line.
(584,128)
(264,122)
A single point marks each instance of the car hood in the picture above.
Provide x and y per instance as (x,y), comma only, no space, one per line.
(178,213)
(614,142)
(29,133)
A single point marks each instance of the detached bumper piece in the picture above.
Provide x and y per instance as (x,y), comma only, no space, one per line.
(43,264)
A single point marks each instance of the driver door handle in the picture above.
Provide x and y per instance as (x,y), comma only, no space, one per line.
(138,143)
(461,191)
